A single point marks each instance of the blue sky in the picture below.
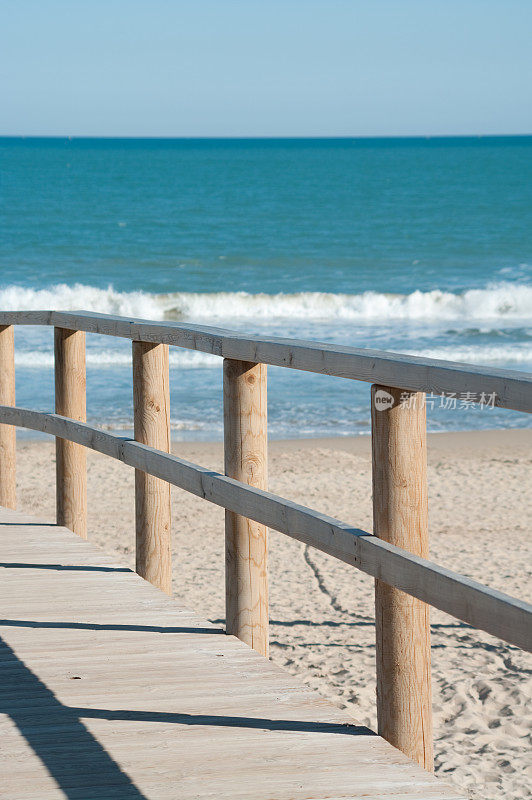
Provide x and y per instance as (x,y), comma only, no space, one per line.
(265,68)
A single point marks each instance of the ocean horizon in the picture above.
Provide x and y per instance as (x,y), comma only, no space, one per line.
(408,244)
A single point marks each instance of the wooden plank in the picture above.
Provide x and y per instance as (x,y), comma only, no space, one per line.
(8,434)
(509,388)
(246,543)
(151,404)
(98,703)
(402,625)
(70,401)
(487,609)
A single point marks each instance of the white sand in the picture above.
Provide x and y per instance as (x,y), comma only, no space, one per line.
(322,611)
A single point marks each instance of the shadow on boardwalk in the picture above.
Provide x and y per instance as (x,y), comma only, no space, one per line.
(71,754)
(81,767)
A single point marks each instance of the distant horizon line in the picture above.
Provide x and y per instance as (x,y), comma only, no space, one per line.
(70,137)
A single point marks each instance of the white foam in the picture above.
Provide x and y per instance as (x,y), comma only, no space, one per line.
(496,302)
(185,359)
(478,355)
(189,359)
(175,425)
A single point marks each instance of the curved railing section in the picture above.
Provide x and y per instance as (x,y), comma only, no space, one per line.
(494,612)
(395,554)
(510,388)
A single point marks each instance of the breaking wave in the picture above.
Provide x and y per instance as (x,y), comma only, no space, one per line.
(501,301)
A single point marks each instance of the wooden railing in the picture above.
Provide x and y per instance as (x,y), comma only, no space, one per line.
(395,554)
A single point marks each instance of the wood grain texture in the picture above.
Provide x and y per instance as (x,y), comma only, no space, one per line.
(246,541)
(151,404)
(511,388)
(402,626)
(492,611)
(8,434)
(123,693)
(70,401)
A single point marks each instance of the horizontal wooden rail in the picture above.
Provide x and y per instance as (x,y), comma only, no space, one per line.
(509,388)
(496,613)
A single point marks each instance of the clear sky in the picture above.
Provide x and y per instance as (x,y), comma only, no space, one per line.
(265,67)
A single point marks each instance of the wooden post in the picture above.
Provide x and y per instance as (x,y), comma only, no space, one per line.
(404,702)
(246,460)
(70,401)
(151,402)
(8,434)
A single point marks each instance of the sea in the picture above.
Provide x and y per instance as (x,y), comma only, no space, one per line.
(417,246)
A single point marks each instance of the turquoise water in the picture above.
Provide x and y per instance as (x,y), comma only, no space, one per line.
(418,246)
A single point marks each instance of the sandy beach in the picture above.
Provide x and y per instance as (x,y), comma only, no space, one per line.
(322,628)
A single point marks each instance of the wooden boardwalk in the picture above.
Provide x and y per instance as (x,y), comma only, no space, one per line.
(112,690)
